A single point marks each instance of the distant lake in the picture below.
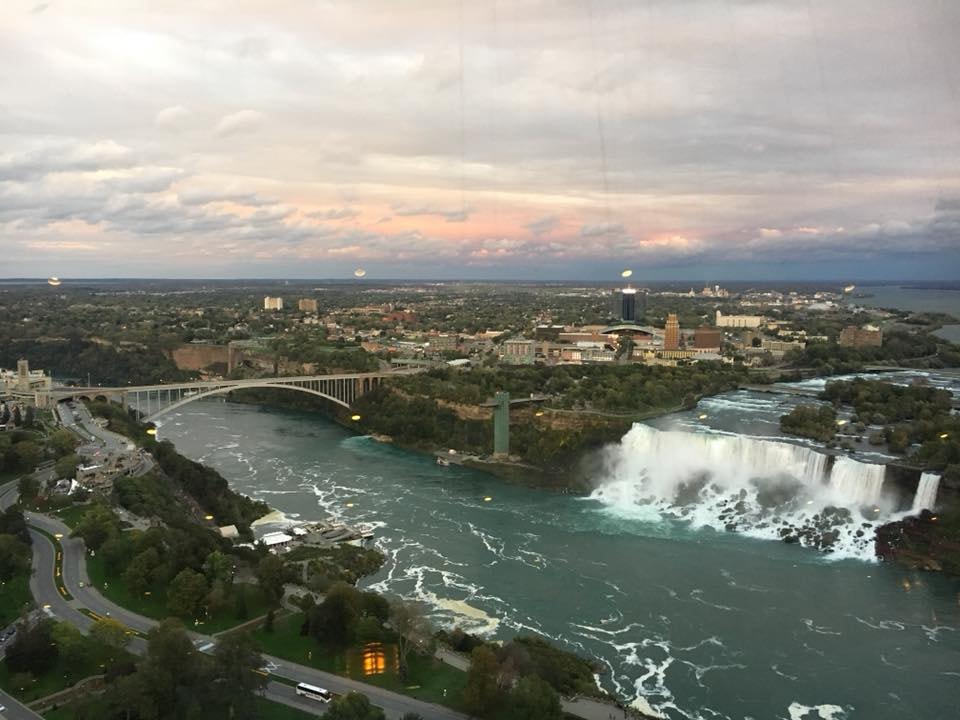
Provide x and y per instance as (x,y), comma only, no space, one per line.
(918,300)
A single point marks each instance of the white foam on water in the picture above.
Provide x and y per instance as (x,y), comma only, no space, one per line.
(274,517)
(640,703)
(825,712)
(760,488)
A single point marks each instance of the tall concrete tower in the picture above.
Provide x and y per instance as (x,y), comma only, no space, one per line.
(501,425)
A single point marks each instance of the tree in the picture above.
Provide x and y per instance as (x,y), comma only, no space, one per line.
(533,699)
(62,441)
(130,697)
(138,572)
(13,523)
(236,661)
(117,552)
(110,632)
(186,593)
(353,706)
(66,467)
(33,650)
(482,693)
(96,526)
(69,641)
(332,621)
(14,557)
(271,576)
(240,610)
(172,668)
(28,417)
(28,488)
(412,628)
(17,417)
(28,454)
(218,566)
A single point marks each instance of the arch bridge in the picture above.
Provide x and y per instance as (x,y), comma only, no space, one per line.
(154,401)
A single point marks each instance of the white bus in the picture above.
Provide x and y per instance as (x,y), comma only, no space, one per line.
(314,693)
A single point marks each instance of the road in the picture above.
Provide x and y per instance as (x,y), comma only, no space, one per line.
(47,595)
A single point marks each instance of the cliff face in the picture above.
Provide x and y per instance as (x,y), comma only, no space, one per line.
(195,356)
(928,541)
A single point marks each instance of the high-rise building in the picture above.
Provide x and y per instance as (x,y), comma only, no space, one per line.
(307,305)
(272,303)
(671,334)
(628,305)
(707,338)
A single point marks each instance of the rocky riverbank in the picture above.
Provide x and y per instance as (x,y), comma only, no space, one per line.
(928,541)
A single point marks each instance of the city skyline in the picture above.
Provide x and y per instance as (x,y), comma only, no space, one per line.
(717,141)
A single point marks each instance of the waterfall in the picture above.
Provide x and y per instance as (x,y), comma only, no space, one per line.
(856,483)
(774,490)
(926,496)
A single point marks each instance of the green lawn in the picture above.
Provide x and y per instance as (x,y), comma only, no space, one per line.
(268,710)
(154,605)
(71,514)
(428,680)
(14,595)
(62,675)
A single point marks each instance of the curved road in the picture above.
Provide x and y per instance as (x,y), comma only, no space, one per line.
(47,595)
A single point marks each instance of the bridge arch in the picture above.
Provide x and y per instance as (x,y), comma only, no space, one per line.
(230,388)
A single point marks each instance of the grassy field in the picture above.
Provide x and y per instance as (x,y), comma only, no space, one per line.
(71,514)
(14,595)
(266,710)
(430,680)
(63,674)
(154,605)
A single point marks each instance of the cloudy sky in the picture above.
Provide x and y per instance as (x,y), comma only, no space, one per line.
(687,139)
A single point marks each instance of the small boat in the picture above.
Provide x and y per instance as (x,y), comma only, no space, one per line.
(443,462)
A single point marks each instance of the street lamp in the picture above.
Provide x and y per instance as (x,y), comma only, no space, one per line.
(355,418)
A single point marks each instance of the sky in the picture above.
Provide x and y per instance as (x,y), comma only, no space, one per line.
(520,139)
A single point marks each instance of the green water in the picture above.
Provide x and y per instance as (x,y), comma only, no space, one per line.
(701,624)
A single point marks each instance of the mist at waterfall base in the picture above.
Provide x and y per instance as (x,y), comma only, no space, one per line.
(684,619)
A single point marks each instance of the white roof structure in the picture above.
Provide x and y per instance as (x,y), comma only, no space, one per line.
(229,531)
(275,538)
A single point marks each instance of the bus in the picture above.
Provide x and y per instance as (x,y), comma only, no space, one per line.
(314,693)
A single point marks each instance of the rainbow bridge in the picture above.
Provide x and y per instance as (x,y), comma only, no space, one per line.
(153,401)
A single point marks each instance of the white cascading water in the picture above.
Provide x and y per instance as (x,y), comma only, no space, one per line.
(856,483)
(926,496)
(772,490)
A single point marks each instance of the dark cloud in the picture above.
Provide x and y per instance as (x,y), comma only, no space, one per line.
(544,225)
(343,213)
(449,215)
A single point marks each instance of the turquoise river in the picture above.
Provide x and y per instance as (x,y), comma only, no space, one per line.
(686,619)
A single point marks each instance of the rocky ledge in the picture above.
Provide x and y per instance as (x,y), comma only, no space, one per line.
(922,541)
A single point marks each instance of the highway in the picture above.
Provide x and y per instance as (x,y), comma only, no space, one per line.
(47,595)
